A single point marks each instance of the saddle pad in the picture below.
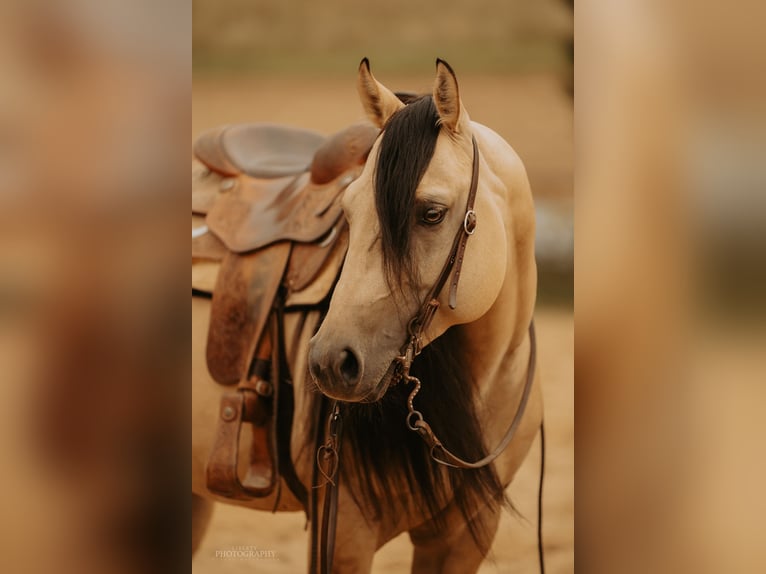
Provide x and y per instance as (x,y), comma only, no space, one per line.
(254,214)
(258,150)
(242,301)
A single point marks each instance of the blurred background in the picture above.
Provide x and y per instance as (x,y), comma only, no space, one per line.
(94,316)
(296,63)
(670,216)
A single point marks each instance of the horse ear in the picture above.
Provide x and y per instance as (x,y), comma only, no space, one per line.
(379,102)
(452,114)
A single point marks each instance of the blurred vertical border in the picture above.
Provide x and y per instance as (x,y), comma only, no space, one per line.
(669,216)
(95,101)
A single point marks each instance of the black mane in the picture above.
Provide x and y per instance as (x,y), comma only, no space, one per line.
(406,148)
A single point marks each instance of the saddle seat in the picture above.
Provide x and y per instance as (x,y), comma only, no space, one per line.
(264,151)
(247,212)
(268,235)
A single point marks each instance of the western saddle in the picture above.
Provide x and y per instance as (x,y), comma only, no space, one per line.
(268,238)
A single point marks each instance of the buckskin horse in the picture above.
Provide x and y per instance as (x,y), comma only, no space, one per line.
(363,304)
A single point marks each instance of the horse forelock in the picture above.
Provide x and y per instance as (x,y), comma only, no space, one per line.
(406,149)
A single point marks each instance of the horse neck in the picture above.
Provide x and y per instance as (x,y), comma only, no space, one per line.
(498,341)
(496,338)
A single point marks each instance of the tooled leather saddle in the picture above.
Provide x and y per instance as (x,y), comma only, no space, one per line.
(268,239)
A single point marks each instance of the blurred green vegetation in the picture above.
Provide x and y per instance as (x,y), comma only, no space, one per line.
(402,36)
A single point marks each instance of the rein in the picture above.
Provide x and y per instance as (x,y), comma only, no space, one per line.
(442,454)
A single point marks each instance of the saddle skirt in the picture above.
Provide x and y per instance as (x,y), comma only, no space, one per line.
(268,239)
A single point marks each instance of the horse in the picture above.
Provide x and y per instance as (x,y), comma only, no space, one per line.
(426,349)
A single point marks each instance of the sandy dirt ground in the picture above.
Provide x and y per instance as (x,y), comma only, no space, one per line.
(514,550)
(533,114)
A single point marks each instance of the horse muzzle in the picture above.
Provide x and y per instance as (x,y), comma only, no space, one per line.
(337,370)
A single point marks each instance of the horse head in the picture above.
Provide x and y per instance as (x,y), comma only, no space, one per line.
(404,211)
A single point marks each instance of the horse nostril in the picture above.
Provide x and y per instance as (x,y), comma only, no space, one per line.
(348,366)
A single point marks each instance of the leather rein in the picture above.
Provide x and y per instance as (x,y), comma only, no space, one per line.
(328,454)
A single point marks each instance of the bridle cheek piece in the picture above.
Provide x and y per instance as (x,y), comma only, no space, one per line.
(452,266)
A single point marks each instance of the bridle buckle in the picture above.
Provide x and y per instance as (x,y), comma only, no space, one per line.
(469,222)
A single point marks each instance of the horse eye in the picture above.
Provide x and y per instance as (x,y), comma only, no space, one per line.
(434,215)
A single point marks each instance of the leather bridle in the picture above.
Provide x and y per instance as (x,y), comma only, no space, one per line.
(328,454)
(421,322)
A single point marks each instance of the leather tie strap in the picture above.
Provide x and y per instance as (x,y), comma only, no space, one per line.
(327,465)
